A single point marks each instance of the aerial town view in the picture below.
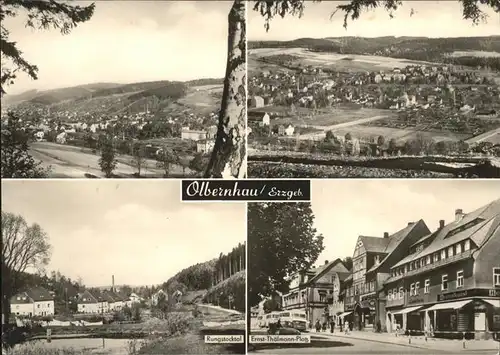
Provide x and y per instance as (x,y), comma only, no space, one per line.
(113,270)
(400,267)
(132,97)
(386,96)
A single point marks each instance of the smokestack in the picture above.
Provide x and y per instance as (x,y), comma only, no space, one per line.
(459,214)
(326,262)
(441,224)
(113,283)
(386,235)
(410,224)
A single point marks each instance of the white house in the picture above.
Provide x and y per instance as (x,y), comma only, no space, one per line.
(88,303)
(33,302)
(266,120)
(289,130)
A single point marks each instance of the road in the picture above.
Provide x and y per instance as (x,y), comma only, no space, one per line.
(326,343)
(73,162)
(338,126)
(492,136)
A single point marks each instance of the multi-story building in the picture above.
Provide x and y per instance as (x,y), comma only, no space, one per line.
(451,280)
(337,305)
(35,301)
(312,290)
(364,302)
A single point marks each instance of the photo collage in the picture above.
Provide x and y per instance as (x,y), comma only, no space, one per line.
(325,175)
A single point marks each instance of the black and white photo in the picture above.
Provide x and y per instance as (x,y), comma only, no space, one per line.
(374,89)
(378,267)
(123,89)
(120,268)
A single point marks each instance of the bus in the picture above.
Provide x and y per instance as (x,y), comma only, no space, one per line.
(271,318)
(294,319)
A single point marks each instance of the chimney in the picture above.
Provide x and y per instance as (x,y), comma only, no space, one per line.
(386,235)
(459,214)
(410,224)
(113,283)
(441,224)
(326,262)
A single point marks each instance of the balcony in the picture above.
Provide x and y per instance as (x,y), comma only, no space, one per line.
(462,256)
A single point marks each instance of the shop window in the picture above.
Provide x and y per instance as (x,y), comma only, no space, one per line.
(444,282)
(460,278)
(496,276)
(427,286)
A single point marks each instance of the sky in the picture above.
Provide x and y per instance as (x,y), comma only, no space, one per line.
(138,231)
(127,41)
(430,19)
(346,209)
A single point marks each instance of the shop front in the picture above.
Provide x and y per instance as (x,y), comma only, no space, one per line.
(408,318)
(477,316)
(364,314)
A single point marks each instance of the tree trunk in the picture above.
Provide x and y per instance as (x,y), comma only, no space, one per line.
(229,156)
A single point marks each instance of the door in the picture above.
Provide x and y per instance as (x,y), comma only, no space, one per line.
(479,321)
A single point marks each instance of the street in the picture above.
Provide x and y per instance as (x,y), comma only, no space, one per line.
(327,343)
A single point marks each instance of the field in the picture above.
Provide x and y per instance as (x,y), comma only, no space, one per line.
(202,98)
(333,116)
(492,137)
(335,60)
(474,54)
(74,162)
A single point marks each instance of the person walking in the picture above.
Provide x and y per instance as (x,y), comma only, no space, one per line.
(332,326)
(318,326)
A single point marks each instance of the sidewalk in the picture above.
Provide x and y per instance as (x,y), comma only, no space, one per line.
(418,342)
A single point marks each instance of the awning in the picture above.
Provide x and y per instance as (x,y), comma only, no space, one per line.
(407,310)
(494,303)
(344,314)
(449,305)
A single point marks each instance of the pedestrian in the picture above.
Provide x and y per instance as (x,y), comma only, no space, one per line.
(346,326)
(332,326)
(324,326)
(318,326)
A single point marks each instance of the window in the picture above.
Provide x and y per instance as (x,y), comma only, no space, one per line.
(436,257)
(417,288)
(458,249)
(443,254)
(450,252)
(427,285)
(389,296)
(467,245)
(401,293)
(444,282)
(412,289)
(395,293)
(38,306)
(496,276)
(428,260)
(460,278)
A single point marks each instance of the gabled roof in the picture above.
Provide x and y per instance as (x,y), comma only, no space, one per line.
(87,298)
(483,221)
(321,270)
(374,244)
(35,294)
(395,239)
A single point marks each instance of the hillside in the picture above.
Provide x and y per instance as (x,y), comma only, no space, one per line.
(390,46)
(108,98)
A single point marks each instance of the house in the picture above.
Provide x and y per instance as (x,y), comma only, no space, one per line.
(35,301)
(92,302)
(115,301)
(451,279)
(257,101)
(312,290)
(364,303)
(193,134)
(205,146)
(289,130)
(132,299)
(158,296)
